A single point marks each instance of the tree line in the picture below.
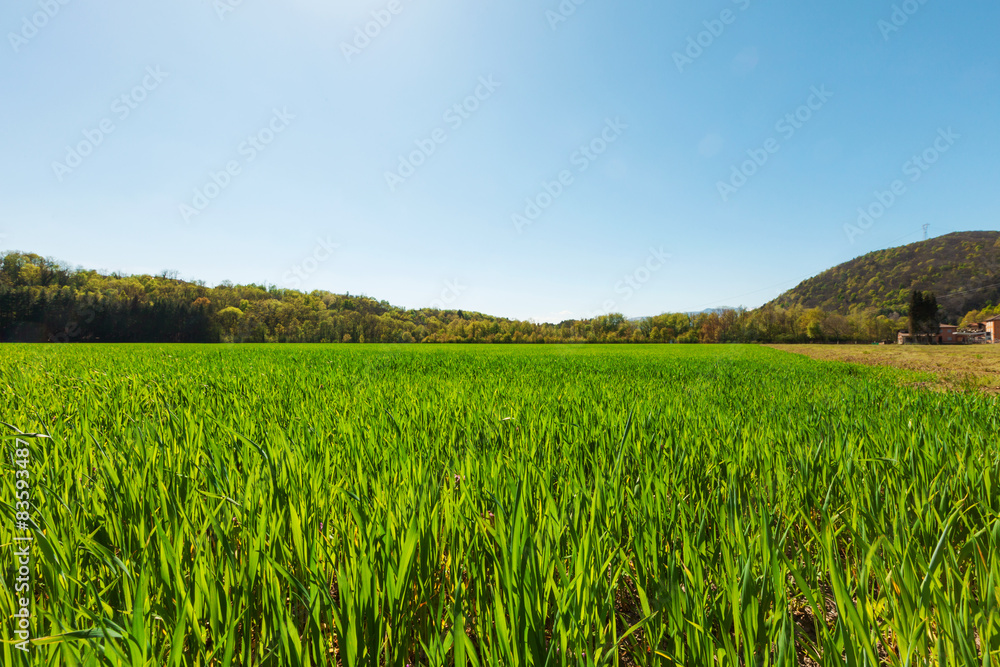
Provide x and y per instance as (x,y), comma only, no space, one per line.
(43,300)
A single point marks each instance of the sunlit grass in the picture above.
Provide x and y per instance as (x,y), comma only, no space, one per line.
(510,506)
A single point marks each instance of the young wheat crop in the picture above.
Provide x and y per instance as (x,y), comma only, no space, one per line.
(515,506)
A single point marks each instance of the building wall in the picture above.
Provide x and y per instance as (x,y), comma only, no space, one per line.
(948,335)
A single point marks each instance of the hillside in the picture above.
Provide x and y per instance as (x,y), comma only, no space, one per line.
(42,299)
(963,269)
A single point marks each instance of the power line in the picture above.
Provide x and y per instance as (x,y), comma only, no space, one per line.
(971,290)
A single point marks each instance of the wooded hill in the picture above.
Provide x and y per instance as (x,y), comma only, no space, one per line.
(962,269)
(861,301)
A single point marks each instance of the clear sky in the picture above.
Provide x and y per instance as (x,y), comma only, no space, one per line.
(276,142)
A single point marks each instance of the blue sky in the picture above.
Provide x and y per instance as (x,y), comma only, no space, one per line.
(254,142)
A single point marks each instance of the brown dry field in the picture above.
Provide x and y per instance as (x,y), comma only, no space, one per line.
(955,367)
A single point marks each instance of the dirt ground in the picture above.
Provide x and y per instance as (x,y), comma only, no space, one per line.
(956,367)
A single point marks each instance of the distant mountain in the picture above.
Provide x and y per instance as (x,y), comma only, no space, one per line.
(707,311)
(963,269)
(716,311)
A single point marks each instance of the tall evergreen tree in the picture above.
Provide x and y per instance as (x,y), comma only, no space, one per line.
(924,320)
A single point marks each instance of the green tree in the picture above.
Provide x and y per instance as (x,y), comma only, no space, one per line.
(814,330)
(924,320)
(690,336)
(229,319)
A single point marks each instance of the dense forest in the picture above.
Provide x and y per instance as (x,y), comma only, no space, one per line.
(44,300)
(962,269)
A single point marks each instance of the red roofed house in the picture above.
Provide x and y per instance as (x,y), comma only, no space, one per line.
(992,328)
(987,330)
(948,334)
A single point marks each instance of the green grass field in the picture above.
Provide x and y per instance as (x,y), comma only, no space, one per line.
(506,505)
